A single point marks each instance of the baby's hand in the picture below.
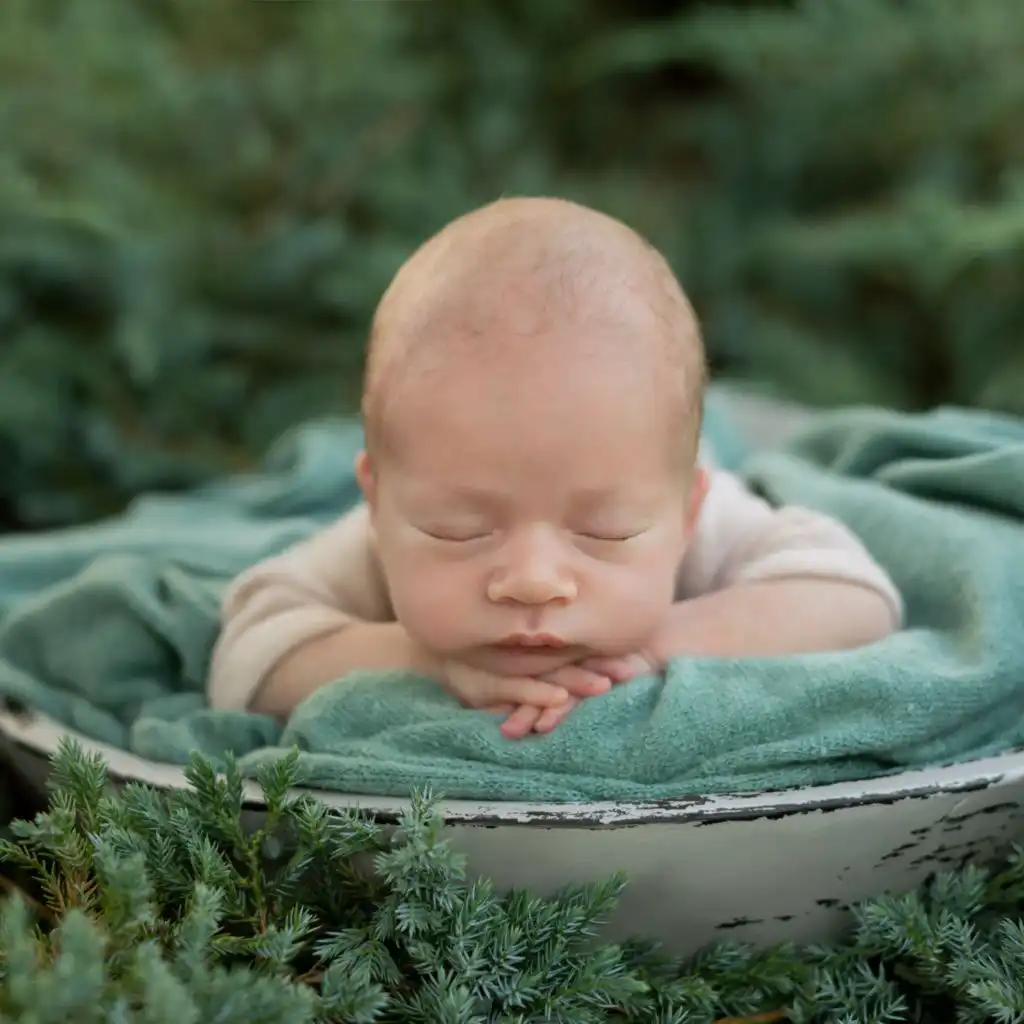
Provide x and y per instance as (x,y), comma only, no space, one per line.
(487,691)
(578,681)
(595,675)
(621,668)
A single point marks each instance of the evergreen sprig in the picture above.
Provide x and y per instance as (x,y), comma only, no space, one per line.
(141,905)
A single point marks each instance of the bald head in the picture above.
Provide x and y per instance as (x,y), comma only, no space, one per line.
(531,279)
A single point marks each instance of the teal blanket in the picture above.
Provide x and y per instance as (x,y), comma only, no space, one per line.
(109,629)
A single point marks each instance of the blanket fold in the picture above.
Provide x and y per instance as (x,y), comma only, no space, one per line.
(109,630)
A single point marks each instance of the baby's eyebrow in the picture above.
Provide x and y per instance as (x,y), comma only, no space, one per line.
(584,499)
(475,497)
(592,499)
(478,494)
(582,503)
(595,495)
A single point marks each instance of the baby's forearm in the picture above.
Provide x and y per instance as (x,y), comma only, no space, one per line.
(369,646)
(776,617)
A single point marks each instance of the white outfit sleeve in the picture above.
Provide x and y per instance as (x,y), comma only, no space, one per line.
(315,587)
(740,538)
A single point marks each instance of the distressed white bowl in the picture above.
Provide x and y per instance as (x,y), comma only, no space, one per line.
(762,868)
(765,868)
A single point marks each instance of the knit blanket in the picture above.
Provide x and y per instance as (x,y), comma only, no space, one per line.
(109,629)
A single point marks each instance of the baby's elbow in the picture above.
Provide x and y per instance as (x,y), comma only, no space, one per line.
(871,617)
(262,617)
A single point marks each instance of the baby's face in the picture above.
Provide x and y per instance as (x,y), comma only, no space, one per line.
(532,514)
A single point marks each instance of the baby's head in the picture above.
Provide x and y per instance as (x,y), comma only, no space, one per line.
(532,409)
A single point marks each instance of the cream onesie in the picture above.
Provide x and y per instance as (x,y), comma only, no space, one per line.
(332,578)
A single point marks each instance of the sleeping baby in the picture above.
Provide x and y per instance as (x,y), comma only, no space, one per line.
(539,522)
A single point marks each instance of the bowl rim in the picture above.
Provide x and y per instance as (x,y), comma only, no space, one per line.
(34,734)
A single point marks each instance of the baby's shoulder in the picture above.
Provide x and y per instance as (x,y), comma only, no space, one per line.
(730,517)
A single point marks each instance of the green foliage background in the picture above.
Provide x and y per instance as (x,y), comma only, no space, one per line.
(200,202)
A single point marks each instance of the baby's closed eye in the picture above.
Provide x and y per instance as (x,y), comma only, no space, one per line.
(611,536)
(455,535)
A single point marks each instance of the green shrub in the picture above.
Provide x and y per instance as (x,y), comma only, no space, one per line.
(199,209)
(141,905)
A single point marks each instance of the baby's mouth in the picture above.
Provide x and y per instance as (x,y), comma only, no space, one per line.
(535,642)
(526,644)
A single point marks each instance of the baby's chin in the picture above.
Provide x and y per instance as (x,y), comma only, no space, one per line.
(528,661)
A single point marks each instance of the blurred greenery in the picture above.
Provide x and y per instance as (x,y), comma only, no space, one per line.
(200,203)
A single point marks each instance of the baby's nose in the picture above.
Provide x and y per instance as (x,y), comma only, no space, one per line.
(531,588)
(533,576)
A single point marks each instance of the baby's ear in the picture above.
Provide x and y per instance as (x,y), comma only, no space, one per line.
(366,478)
(698,492)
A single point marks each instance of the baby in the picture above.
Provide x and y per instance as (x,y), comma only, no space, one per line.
(539,522)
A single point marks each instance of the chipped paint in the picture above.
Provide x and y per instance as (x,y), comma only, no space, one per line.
(780,866)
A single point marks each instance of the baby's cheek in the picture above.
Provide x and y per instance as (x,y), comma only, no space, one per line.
(637,606)
(432,607)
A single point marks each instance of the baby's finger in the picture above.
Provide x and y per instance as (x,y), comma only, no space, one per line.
(522,721)
(618,670)
(499,709)
(580,681)
(483,690)
(512,690)
(551,718)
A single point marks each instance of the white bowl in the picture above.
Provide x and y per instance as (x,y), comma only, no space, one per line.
(762,868)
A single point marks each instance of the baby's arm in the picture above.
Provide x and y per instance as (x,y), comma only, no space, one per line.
(304,618)
(760,581)
(319,611)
